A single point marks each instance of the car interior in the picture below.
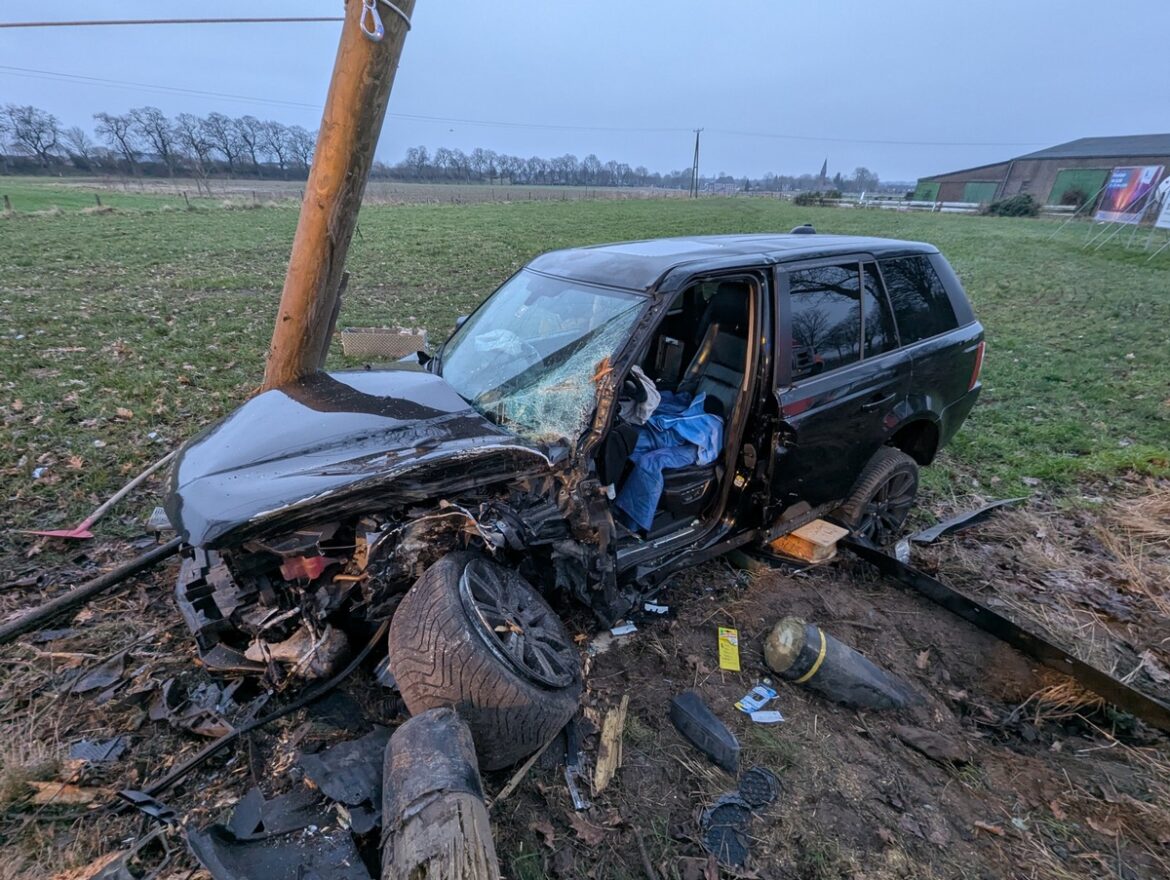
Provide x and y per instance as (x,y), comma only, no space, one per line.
(701,346)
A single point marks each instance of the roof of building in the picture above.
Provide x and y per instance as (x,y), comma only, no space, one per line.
(638,265)
(1130,145)
(1093,147)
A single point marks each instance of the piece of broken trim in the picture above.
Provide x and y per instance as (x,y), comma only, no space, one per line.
(624,629)
(766,716)
(710,735)
(960,521)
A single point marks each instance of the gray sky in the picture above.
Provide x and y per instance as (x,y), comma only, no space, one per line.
(967,83)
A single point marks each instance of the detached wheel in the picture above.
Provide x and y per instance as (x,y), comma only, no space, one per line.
(476,636)
(882,497)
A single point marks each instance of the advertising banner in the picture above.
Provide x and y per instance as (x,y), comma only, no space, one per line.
(1163,221)
(1127,193)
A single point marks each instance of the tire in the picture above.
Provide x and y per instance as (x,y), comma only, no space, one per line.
(882,497)
(443,653)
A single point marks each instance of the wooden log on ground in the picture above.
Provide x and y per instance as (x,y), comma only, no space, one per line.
(434,822)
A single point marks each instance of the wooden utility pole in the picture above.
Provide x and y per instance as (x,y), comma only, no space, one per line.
(354,109)
(695,167)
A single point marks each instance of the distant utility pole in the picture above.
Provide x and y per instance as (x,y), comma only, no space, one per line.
(363,73)
(695,167)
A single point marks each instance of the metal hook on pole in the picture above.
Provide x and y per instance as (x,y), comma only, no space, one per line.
(371,21)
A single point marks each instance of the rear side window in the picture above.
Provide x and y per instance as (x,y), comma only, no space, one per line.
(922,307)
(880,335)
(826,318)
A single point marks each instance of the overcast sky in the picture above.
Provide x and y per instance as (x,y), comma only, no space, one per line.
(904,87)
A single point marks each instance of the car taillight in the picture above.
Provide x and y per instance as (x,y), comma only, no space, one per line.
(978,365)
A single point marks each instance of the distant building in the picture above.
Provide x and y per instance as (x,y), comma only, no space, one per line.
(1049,175)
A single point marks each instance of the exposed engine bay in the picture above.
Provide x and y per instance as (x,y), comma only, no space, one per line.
(289,605)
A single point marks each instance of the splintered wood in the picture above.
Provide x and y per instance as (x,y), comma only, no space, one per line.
(814,542)
(609,750)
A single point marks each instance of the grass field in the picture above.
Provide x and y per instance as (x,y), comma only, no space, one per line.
(123,333)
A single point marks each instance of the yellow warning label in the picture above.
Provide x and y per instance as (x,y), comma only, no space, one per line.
(729,648)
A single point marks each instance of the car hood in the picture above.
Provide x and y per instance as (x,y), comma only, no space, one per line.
(318,447)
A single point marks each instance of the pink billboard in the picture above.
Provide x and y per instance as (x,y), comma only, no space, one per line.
(1127,193)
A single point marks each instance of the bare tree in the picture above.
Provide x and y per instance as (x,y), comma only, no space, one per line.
(274,141)
(119,134)
(191,141)
(79,145)
(301,144)
(221,133)
(33,132)
(156,131)
(250,132)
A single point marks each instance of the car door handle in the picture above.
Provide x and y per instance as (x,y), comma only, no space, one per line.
(877,402)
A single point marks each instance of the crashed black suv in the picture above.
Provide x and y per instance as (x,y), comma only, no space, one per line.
(818,372)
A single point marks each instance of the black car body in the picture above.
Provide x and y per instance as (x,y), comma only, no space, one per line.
(327,498)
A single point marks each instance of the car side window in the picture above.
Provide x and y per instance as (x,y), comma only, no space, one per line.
(922,307)
(880,335)
(826,318)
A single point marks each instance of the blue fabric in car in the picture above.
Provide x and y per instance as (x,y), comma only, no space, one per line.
(680,433)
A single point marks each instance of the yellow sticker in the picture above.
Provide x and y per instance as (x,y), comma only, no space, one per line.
(729,648)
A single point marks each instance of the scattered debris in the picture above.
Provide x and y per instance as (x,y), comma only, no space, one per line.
(300,854)
(805,654)
(204,710)
(149,806)
(766,716)
(256,818)
(813,542)
(760,787)
(729,649)
(724,826)
(624,629)
(655,608)
(98,677)
(609,748)
(97,751)
(573,773)
(963,520)
(351,774)
(757,698)
(710,735)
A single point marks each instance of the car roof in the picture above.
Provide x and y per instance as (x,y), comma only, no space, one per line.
(638,265)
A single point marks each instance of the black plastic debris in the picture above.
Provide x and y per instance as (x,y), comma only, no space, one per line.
(710,735)
(759,787)
(206,709)
(98,677)
(724,830)
(301,855)
(351,774)
(255,818)
(960,521)
(98,751)
(149,806)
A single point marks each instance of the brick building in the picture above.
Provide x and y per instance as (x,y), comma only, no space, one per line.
(1048,175)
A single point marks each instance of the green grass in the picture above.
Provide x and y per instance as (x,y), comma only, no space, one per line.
(173,312)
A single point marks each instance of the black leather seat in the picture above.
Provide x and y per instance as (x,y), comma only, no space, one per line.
(718,365)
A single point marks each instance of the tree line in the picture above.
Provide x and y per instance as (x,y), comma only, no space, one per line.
(145,141)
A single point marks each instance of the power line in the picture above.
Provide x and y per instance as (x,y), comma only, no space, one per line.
(487,123)
(154,21)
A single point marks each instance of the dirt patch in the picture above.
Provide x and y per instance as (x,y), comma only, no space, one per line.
(1020,785)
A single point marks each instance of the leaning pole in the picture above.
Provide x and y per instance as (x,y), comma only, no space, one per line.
(363,74)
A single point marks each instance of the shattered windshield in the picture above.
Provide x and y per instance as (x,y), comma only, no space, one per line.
(530,356)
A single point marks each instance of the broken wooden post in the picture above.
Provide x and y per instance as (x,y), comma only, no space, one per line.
(434,822)
(352,120)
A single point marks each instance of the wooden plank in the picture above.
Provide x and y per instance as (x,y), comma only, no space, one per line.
(609,749)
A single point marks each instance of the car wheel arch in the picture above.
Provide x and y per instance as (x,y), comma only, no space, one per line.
(918,437)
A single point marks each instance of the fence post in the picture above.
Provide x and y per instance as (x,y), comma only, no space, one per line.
(7,204)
